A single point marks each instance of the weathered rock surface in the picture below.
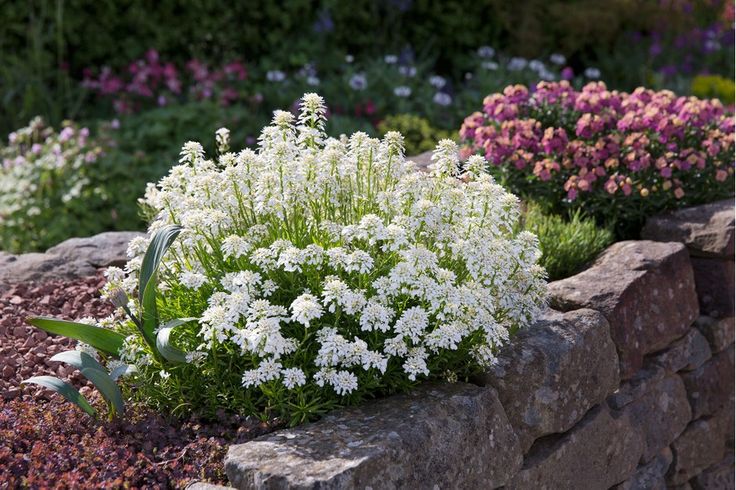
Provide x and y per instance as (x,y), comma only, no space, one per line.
(423,160)
(707,230)
(687,353)
(719,476)
(599,452)
(650,476)
(637,386)
(714,282)
(646,291)
(701,445)
(719,332)
(554,372)
(660,415)
(199,485)
(710,386)
(73,258)
(437,436)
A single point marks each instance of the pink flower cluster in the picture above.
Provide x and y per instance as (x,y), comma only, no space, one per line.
(594,139)
(149,79)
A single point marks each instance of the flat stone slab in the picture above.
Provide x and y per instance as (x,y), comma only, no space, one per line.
(553,372)
(438,436)
(646,291)
(598,452)
(73,258)
(707,230)
(685,354)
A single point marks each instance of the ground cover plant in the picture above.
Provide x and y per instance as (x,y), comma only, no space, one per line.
(313,273)
(619,156)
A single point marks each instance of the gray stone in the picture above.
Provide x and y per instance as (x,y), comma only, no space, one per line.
(650,476)
(687,353)
(714,282)
(637,386)
(423,160)
(707,230)
(437,436)
(660,415)
(199,485)
(646,291)
(701,445)
(711,386)
(76,257)
(599,452)
(553,372)
(718,477)
(719,332)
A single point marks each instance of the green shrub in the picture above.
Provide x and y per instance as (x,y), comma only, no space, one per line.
(419,135)
(567,245)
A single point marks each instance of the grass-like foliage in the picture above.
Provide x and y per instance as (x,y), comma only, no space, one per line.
(317,272)
(567,245)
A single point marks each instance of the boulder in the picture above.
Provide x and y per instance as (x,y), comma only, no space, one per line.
(714,282)
(103,250)
(711,386)
(660,415)
(422,161)
(719,476)
(700,446)
(687,353)
(449,435)
(650,476)
(599,452)
(553,372)
(719,332)
(707,230)
(646,291)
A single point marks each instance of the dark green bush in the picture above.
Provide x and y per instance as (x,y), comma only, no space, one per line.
(419,135)
(567,245)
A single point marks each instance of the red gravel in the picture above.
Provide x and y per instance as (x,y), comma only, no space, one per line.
(46,442)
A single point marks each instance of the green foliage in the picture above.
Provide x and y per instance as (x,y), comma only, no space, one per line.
(715,86)
(419,135)
(104,340)
(567,244)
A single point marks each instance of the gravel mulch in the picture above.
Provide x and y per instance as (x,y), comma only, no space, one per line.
(46,442)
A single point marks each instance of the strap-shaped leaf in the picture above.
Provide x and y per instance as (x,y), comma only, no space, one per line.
(101,339)
(160,243)
(64,389)
(150,311)
(107,387)
(78,359)
(123,370)
(163,342)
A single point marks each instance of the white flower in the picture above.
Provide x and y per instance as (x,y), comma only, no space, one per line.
(391,59)
(195,357)
(235,246)
(437,81)
(488,65)
(358,81)
(592,73)
(443,99)
(408,71)
(376,316)
(192,280)
(402,91)
(486,52)
(412,323)
(344,382)
(305,308)
(222,138)
(275,76)
(416,363)
(293,377)
(517,64)
(558,59)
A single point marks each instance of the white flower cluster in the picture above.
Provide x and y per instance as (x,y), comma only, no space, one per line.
(327,262)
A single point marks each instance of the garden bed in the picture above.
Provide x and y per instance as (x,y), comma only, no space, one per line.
(45,439)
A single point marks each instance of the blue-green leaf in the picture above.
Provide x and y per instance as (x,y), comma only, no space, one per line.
(101,339)
(164,344)
(78,359)
(160,243)
(64,389)
(123,370)
(107,388)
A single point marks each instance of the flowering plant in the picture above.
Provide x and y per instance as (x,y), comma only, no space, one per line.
(619,156)
(47,186)
(316,272)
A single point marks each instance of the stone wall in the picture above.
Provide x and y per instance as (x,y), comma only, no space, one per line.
(626,382)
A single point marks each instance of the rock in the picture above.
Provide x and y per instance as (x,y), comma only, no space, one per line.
(103,250)
(554,372)
(711,386)
(650,476)
(719,332)
(719,476)
(73,258)
(687,353)
(200,485)
(636,387)
(714,282)
(599,452)
(707,230)
(660,415)
(646,291)
(423,160)
(438,436)
(701,445)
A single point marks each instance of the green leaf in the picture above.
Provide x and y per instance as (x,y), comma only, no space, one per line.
(160,243)
(122,371)
(101,339)
(163,342)
(78,359)
(64,389)
(107,387)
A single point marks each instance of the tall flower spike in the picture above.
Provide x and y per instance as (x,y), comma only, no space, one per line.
(445,159)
